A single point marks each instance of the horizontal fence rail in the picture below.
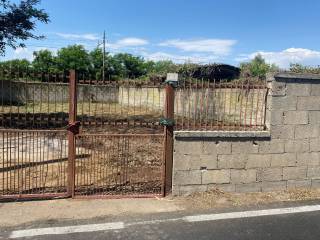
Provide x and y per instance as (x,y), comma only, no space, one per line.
(119,164)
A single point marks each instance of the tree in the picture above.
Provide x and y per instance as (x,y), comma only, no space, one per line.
(299,68)
(16,65)
(44,61)
(164,66)
(129,65)
(73,57)
(256,68)
(17,21)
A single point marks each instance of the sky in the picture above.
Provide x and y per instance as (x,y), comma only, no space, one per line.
(202,31)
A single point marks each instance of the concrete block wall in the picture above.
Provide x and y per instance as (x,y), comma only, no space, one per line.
(286,156)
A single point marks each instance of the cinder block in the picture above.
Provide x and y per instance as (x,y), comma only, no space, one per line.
(209,161)
(314,117)
(237,161)
(273,146)
(243,176)
(308,103)
(315,183)
(295,117)
(296,89)
(224,147)
(209,148)
(278,89)
(284,103)
(298,184)
(188,147)
(306,131)
(216,176)
(314,144)
(274,186)
(175,190)
(292,173)
(310,159)
(269,174)
(282,132)
(190,189)
(283,160)
(315,89)
(313,172)
(187,177)
(186,162)
(222,187)
(258,161)
(292,146)
(249,187)
(276,117)
(244,147)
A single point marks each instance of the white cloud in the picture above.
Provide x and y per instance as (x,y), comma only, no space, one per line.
(216,46)
(22,53)
(86,36)
(128,42)
(132,42)
(287,56)
(195,58)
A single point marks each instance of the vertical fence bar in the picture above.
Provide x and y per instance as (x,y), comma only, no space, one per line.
(168,131)
(71,133)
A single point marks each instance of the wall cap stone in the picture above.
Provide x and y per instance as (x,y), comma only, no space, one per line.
(300,76)
(222,134)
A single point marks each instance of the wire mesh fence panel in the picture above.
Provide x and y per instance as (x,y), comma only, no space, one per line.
(33,162)
(218,105)
(119,164)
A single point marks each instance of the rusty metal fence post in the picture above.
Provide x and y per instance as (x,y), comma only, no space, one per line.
(168,131)
(73,129)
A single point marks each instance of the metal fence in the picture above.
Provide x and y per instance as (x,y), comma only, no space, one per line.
(33,163)
(220,105)
(120,148)
(119,164)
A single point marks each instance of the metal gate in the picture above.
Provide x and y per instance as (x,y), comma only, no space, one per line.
(64,135)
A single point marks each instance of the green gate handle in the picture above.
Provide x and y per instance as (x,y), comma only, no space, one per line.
(167,122)
(174,84)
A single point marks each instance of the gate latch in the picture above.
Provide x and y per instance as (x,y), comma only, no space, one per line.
(168,122)
(74,127)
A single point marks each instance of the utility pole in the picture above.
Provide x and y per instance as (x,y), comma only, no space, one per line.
(104,56)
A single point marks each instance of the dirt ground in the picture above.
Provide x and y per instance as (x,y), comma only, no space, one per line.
(24,213)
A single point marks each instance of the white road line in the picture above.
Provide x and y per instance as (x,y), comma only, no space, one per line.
(248,214)
(193,218)
(66,230)
(153,222)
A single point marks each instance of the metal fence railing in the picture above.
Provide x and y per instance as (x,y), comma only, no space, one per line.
(125,142)
(218,105)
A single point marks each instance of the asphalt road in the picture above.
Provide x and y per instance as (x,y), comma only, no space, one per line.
(301,225)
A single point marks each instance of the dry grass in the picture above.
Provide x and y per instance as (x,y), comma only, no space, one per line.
(217,198)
